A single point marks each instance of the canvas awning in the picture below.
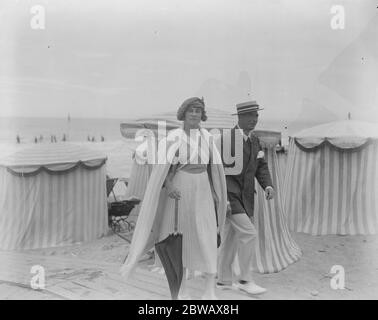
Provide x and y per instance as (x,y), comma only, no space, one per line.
(348,135)
(54,158)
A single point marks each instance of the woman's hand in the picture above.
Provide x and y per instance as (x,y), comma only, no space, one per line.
(228,207)
(173,192)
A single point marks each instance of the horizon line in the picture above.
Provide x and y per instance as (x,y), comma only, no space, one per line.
(136,118)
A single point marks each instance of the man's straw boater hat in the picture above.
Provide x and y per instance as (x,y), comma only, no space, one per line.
(247,107)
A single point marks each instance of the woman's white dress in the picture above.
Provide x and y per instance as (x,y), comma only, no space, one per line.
(196,219)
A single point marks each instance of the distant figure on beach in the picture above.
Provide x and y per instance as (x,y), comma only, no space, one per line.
(102,138)
(51,139)
(93,139)
(55,138)
(18,139)
(64,137)
(35,140)
(88,138)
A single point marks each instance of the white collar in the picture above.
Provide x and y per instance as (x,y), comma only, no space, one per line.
(245,137)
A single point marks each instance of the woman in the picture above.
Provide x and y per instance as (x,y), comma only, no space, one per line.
(199,186)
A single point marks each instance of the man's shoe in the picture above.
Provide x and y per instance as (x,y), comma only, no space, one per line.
(223,286)
(250,287)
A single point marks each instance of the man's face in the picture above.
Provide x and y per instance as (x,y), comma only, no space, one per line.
(248,121)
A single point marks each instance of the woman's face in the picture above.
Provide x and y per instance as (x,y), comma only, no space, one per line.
(193,116)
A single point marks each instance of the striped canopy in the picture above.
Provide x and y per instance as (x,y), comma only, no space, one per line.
(52,157)
(332,188)
(52,195)
(346,134)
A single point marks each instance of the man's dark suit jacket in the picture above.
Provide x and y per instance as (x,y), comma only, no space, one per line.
(241,187)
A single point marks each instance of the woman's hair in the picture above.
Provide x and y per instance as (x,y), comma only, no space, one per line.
(204,116)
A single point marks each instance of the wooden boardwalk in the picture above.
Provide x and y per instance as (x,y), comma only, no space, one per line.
(75,279)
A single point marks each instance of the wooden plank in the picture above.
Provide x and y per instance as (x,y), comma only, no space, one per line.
(54,265)
(12,290)
(72,285)
(73,278)
(7,291)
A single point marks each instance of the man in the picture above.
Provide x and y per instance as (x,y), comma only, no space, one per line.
(239,232)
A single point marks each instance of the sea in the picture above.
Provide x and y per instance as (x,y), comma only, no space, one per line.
(98,134)
(78,131)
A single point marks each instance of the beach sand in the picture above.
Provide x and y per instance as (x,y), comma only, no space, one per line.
(309,278)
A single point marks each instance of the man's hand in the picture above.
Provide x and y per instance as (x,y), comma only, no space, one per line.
(269,193)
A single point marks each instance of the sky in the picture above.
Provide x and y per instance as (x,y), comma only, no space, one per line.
(128,59)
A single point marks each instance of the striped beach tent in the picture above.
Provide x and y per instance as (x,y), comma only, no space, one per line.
(331,184)
(52,195)
(275,248)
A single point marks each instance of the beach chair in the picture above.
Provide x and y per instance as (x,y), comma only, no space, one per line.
(125,181)
(110,183)
(119,211)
